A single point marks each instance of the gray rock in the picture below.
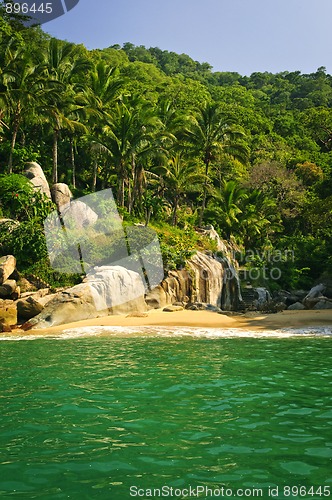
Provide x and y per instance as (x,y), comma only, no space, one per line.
(61,194)
(7,267)
(210,307)
(300,294)
(323,304)
(298,306)
(36,176)
(311,299)
(263,296)
(78,215)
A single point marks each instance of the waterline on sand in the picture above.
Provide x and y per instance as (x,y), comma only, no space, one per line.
(163,331)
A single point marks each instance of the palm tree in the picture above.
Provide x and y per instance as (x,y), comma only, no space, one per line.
(180,177)
(98,97)
(259,219)
(62,67)
(21,91)
(128,139)
(209,134)
(227,206)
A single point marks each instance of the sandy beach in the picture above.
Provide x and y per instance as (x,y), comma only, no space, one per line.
(249,321)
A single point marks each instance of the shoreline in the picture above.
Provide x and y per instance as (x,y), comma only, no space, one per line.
(202,319)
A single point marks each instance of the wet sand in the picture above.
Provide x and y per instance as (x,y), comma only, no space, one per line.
(248,321)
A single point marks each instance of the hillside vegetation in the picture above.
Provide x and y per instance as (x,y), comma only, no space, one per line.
(180,145)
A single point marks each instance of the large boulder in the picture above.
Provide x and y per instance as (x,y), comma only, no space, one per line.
(78,215)
(36,176)
(7,267)
(28,308)
(8,312)
(61,194)
(106,290)
(8,289)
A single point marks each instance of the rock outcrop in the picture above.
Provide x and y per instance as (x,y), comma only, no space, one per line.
(206,280)
(106,290)
(36,176)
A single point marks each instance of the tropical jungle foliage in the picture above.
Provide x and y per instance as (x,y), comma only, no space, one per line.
(180,145)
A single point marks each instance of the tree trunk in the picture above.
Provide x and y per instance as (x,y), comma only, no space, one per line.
(94,178)
(138,186)
(12,147)
(121,186)
(55,156)
(132,185)
(73,166)
(14,136)
(205,187)
(175,209)
(148,213)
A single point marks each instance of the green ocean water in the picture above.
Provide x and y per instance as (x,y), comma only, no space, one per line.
(92,417)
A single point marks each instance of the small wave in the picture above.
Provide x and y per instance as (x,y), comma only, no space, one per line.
(190,332)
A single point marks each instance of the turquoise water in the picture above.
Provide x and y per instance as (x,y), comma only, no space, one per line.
(88,418)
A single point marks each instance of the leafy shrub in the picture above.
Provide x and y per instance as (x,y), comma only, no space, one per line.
(20,201)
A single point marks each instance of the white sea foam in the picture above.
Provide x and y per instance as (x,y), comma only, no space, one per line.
(174,332)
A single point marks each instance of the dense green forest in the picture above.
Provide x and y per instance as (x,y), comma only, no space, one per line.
(180,145)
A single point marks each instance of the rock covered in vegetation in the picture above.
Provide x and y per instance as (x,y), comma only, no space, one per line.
(8,224)
(7,267)
(61,194)
(106,290)
(36,176)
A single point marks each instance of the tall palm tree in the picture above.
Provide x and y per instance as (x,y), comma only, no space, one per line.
(21,91)
(209,134)
(98,97)
(62,68)
(180,177)
(128,139)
